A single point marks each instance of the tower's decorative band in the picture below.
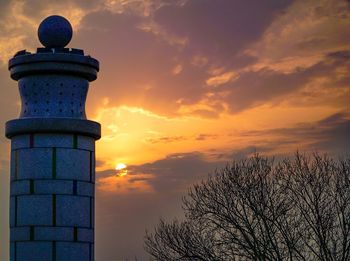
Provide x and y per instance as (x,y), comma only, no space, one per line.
(52,151)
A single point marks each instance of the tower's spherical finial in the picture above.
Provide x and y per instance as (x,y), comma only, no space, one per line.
(55,32)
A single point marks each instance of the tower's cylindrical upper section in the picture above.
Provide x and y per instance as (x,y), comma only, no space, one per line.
(53,83)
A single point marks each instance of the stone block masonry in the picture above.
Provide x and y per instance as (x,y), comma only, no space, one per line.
(52,197)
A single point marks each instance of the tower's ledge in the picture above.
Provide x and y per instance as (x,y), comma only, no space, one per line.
(52,125)
(54,61)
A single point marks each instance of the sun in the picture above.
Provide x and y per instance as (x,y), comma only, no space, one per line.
(120,166)
(121,169)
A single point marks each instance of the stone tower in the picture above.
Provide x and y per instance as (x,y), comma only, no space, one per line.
(52,151)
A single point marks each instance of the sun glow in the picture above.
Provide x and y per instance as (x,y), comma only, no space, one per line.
(120,166)
(121,169)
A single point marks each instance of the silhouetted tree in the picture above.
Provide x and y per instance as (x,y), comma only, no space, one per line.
(256,209)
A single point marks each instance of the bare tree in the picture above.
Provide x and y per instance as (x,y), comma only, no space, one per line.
(256,209)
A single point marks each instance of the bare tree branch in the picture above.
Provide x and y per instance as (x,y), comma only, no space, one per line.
(257,209)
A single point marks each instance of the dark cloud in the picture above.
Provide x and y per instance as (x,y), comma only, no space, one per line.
(166,139)
(204,136)
(258,87)
(342,58)
(333,134)
(329,135)
(5,4)
(173,173)
(331,131)
(339,55)
(219,28)
(334,120)
(255,88)
(177,171)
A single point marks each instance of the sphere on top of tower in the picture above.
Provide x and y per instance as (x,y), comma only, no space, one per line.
(55,32)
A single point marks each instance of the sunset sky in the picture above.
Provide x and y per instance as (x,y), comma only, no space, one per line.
(184,87)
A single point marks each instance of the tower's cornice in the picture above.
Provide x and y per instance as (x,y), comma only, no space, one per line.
(53,61)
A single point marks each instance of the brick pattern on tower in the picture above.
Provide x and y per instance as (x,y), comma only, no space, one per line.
(52,197)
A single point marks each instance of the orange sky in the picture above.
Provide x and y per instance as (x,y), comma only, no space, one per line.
(184,87)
